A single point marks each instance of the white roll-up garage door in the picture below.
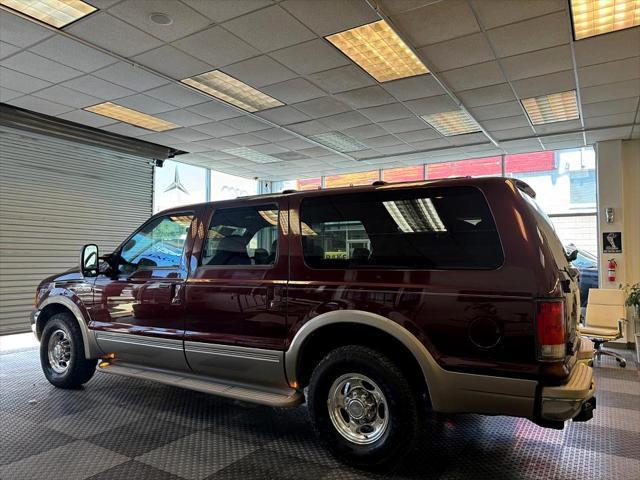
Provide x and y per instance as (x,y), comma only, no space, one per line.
(55,196)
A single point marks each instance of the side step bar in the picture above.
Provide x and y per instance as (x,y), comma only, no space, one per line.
(286,398)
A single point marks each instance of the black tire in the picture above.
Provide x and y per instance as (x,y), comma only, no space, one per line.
(78,369)
(403,406)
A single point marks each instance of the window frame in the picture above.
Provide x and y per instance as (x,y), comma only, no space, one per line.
(406,269)
(151,219)
(243,267)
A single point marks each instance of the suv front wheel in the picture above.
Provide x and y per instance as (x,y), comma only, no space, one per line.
(62,353)
(363,408)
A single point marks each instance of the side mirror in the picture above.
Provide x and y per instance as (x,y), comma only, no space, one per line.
(572,256)
(89,260)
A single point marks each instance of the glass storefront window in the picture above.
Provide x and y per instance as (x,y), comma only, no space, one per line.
(473,167)
(352,179)
(309,184)
(227,187)
(178,184)
(404,174)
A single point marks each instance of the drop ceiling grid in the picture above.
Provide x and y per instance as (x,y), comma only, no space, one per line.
(383,141)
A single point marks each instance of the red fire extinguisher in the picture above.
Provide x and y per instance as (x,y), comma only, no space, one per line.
(611,270)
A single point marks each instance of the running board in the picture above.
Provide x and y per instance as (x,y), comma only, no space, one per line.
(287,398)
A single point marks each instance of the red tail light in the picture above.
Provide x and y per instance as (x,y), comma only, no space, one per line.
(550,327)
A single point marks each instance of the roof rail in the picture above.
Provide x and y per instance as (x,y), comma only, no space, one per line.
(379,182)
(289,190)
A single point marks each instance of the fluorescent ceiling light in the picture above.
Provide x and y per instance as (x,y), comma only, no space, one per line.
(379,51)
(452,123)
(418,215)
(595,17)
(556,107)
(233,91)
(133,117)
(339,141)
(57,13)
(252,155)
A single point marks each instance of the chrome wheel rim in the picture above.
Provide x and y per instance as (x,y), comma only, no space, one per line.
(59,351)
(358,408)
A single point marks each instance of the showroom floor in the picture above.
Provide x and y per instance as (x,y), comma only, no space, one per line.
(123,428)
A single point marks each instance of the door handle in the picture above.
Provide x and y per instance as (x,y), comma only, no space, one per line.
(176,293)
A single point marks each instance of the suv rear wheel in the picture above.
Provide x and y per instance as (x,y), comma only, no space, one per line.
(363,408)
(62,353)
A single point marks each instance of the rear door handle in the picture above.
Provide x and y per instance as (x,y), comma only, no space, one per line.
(176,293)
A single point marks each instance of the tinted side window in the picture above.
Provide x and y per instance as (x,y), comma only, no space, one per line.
(242,236)
(158,243)
(429,228)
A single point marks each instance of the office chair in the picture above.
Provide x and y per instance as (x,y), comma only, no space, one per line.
(604,320)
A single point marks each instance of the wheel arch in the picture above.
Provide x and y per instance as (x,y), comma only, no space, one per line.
(59,304)
(332,329)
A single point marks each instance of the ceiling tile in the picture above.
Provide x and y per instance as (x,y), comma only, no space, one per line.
(221,11)
(215,110)
(200,46)
(172,62)
(7,94)
(67,96)
(431,144)
(610,91)
(535,34)
(259,71)
(213,144)
(184,19)
(544,84)
(39,105)
(144,104)
(458,52)
(609,72)
(312,127)
(20,82)
(98,87)
(403,125)
(297,144)
(365,131)
(418,135)
(611,107)
(474,76)
(498,110)
(433,23)
(322,107)
(216,129)
(126,129)
(541,62)
(40,67)
(554,127)
(384,113)
(293,91)
(7,49)
(113,34)
(177,95)
(86,118)
(162,138)
(189,135)
(246,123)
(506,123)
(486,95)
(511,133)
(366,97)
(315,152)
(609,47)
(331,16)
(283,115)
(341,79)
(495,13)
(19,31)
(183,117)
(270,29)
(382,141)
(73,54)
(395,149)
(610,120)
(608,134)
(274,135)
(414,87)
(345,120)
(468,138)
(426,106)
(129,76)
(310,57)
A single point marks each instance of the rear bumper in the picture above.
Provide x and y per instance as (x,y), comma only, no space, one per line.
(573,400)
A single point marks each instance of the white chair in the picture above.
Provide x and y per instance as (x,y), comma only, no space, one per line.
(604,320)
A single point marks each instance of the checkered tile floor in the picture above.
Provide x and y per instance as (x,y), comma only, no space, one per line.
(124,428)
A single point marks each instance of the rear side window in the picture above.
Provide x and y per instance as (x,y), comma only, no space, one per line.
(242,236)
(429,228)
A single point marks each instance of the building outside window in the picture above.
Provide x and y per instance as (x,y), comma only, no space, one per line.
(178,184)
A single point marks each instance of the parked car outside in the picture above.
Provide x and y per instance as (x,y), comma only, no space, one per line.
(373,304)
(587,264)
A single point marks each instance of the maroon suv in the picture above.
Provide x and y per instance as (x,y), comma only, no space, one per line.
(372,303)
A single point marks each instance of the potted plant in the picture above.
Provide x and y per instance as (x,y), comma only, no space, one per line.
(632,299)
